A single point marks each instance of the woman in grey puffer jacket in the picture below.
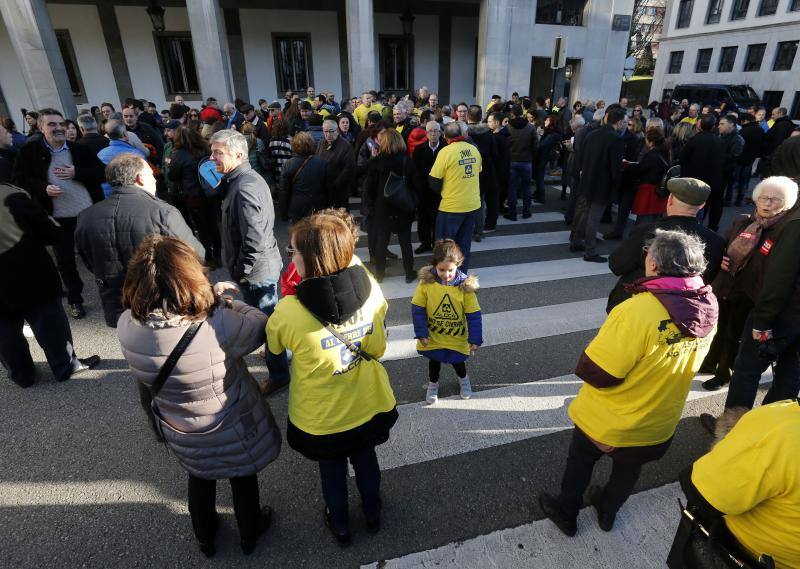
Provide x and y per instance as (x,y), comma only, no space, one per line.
(209,411)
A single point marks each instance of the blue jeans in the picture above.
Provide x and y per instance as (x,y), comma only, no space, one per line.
(458,227)
(264,295)
(521,173)
(333,475)
(749,366)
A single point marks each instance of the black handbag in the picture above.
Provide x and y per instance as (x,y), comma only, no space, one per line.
(397,193)
(673,172)
(698,547)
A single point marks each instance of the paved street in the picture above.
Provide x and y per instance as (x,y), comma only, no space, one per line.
(83,483)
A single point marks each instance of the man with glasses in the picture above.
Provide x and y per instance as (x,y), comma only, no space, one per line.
(64,178)
(341,159)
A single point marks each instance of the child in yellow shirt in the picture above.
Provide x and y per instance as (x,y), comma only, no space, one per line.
(446,316)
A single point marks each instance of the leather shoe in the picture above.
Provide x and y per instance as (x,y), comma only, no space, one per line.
(612,236)
(392,256)
(77,311)
(604,519)
(411,277)
(595,258)
(552,509)
(709,422)
(714,384)
(423,249)
(342,538)
(510,217)
(248,545)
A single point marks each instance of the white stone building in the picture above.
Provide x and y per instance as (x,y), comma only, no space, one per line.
(732,42)
(76,53)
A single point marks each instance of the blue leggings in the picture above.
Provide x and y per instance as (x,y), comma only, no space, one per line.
(333,474)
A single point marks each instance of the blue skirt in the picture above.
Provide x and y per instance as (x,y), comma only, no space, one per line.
(443,355)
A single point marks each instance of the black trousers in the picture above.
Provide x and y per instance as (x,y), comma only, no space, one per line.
(722,354)
(203,507)
(51,330)
(426,221)
(715,205)
(111,298)
(204,216)
(586,223)
(383,233)
(64,250)
(435,368)
(333,477)
(583,454)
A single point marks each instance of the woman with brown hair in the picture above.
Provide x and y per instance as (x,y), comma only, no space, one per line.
(207,406)
(391,157)
(305,181)
(188,150)
(340,402)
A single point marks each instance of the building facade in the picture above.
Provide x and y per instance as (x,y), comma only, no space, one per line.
(734,42)
(77,53)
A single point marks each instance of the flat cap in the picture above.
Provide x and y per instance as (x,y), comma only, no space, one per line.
(172,124)
(690,191)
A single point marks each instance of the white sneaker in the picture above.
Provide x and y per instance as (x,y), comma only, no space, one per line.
(432,396)
(466,387)
(27,332)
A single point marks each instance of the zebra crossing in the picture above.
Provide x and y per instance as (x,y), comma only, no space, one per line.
(460,478)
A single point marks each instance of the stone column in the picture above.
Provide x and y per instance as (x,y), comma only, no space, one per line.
(494,45)
(207,24)
(35,45)
(361,48)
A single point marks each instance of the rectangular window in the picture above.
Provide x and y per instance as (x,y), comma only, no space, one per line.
(727,58)
(560,12)
(685,13)
(396,63)
(794,112)
(292,62)
(767,7)
(71,65)
(739,10)
(794,5)
(714,11)
(675,62)
(771,100)
(755,54)
(176,59)
(784,55)
(703,60)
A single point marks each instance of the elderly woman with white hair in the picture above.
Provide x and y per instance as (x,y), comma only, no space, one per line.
(738,284)
(770,241)
(637,372)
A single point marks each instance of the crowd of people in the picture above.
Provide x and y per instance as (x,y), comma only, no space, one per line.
(150,201)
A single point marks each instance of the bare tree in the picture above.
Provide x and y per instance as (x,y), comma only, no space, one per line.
(646,26)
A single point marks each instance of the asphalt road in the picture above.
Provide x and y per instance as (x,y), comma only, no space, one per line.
(83,483)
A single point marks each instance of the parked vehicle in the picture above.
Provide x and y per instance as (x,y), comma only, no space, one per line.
(735,97)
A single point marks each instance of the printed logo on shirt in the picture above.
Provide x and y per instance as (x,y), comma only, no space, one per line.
(348,359)
(677,343)
(446,319)
(467,160)
(766,248)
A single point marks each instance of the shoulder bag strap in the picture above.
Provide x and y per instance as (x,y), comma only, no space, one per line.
(355,350)
(172,359)
(300,169)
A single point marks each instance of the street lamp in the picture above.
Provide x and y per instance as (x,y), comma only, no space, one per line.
(156,13)
(407,19)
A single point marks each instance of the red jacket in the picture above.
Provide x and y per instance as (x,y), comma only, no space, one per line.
(210,115)
(290,279)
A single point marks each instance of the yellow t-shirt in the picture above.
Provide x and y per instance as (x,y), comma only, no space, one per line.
(447,307)
(690,120)
(638,342)
(753,476)
(458,165)
(331,391)
(360,113)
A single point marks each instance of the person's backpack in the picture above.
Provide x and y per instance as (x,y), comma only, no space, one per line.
(673,172)
(397,193)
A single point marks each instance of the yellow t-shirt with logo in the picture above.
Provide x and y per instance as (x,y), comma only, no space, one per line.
(360,113)
(458,165)
(447,307)
(753,476)
(638,342)
(332,391)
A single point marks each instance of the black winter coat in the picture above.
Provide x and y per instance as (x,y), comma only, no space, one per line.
(703,157)
(601,164)
(423,160)
(377,173)
(650,169)
(108,233)
(627,261)
(753,136)
(31,278)
(310,191)
(183,172)
(93,141)
(503,170)
(483,139)
(30,171)
(780,131)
